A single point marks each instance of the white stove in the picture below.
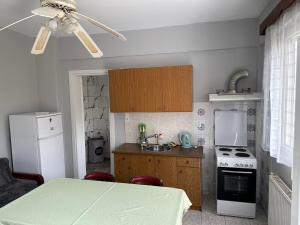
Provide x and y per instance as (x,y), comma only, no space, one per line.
(236,166)
(235,157)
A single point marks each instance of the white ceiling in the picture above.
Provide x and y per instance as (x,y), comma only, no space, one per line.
(139,14)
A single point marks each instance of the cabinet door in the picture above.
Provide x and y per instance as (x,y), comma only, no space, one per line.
(135,90)
(177,84)
(145,90)
(189,180)
(166,170)
(119,90)
(144,165)
(123,167)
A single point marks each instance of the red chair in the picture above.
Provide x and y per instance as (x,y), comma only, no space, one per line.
(100,176)
(146,180)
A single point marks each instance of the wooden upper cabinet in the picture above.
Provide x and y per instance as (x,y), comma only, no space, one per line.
(177,83)
(157,89)
(119,90)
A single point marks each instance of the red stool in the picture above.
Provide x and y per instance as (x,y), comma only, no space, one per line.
(100,176)
(146,180)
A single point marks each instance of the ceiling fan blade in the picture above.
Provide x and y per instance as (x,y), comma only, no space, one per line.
(14,23)
(48,12)
(87,41)
(41,41)
(101,25)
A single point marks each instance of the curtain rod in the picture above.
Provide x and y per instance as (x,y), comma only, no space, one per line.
(274,15)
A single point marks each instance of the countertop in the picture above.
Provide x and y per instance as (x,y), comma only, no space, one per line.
(130,148)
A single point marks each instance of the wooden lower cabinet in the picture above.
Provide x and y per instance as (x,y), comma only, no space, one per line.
(165,169)
(144,165)
(178,172)
(188,179)
(124,167)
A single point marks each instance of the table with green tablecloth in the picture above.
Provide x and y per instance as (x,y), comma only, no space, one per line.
(79,202)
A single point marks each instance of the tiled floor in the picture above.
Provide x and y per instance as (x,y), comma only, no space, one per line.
(102,167)
(208,216)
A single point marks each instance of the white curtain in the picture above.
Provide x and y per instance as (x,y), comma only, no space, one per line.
(279,85)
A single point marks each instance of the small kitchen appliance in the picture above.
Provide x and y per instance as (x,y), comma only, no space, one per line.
(185,139)
(236,166)
(142,140)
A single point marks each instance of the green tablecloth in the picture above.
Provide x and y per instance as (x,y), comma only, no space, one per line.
(78,202)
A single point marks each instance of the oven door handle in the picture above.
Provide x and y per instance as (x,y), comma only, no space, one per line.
(236,172)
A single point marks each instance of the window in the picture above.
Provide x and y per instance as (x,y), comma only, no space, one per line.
(280,86)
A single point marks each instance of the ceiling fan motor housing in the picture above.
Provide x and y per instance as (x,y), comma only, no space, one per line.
(70,5)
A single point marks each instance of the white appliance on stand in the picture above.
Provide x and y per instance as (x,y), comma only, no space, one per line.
(236,166)
(37,144)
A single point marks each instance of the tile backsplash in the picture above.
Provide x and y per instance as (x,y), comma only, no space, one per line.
(96,109)
(170,124)
(200,123)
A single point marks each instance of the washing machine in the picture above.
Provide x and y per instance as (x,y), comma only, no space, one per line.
(96,150)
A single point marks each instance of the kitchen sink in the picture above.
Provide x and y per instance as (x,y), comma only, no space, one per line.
(157,148)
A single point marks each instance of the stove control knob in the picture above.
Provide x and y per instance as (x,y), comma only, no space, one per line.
(236,165)
(226,164)
(251,165)
(246,165)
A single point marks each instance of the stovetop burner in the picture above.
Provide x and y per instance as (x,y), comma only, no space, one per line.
(240,150)
(244,155)
(225,149)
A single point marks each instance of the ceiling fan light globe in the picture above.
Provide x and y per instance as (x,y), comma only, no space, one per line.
(53,24)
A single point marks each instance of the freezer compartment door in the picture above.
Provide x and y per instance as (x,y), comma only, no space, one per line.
(52,161)
(49,126)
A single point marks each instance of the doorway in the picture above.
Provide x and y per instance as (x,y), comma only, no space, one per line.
(93,128)
(96,123)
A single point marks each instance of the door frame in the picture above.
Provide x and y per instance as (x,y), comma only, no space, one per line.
(296,155)
(77,120)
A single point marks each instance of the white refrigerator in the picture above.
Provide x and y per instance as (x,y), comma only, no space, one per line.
(37,144)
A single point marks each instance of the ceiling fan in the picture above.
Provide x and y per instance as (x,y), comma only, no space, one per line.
(63,16)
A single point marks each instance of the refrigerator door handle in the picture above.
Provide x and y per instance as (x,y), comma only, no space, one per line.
(40,139)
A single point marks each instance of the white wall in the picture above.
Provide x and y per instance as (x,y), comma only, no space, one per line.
(46,67)
(18,82)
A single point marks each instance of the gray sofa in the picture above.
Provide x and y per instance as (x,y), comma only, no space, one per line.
(14,185)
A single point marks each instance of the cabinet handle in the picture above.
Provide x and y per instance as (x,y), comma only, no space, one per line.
(187,162)
(158,161)
(149,160)
(123,158)
(180,171)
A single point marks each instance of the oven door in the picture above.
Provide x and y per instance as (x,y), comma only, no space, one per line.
(236,185)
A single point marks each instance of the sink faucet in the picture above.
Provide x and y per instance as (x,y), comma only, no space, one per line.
(154,136)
